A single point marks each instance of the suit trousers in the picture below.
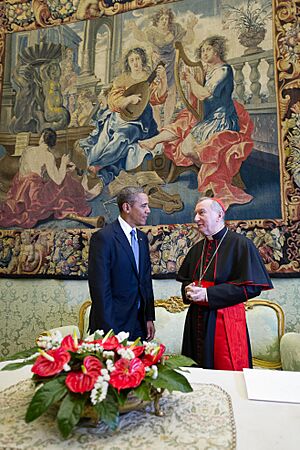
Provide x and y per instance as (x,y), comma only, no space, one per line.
(139,330)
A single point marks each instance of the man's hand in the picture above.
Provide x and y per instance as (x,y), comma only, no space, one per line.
(195,293)
(150,330)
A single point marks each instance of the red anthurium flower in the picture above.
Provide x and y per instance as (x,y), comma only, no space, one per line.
(69,343)
(138,350)
(51,362)
(84,380)
(110,343)
(127,373)
(154,357)
(93,365)
(96,341)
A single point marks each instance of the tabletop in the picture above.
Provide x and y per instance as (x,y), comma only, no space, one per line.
(260,425)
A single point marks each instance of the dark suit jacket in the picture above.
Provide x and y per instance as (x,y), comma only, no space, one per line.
(116,287)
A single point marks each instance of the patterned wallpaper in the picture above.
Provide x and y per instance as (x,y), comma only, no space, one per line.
(29,307)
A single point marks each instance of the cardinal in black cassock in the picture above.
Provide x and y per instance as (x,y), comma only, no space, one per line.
(218,275)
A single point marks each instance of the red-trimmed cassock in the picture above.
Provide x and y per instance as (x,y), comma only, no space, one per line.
(215,332)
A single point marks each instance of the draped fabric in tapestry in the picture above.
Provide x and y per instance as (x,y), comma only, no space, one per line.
(183,98)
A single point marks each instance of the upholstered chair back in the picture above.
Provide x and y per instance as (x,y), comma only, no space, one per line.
(169,323)
(290,351)
(265,321)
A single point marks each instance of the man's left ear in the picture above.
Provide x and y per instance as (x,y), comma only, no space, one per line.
(126,207)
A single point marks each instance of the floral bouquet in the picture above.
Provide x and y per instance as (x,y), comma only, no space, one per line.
(98,375)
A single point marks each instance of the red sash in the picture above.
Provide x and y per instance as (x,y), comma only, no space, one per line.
(230,344)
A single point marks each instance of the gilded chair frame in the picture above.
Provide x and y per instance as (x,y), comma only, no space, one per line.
(250,304)
(82,312)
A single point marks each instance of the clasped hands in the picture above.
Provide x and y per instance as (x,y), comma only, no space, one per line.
(195,293)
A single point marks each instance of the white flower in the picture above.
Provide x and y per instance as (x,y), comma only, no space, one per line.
(66,368)
(99,392)
(108,354)
(152,371)
(110,365)
(99,332)
(105,374)
(43,341)
(151,347)
(122,336)
(89,347)
(155,372)
(126,353)
(48,342)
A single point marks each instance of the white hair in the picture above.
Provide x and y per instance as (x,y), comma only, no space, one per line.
(215,206)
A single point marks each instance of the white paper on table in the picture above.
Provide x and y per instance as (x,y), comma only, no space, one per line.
(272,385)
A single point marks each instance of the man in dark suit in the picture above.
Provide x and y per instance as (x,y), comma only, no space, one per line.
(119,271)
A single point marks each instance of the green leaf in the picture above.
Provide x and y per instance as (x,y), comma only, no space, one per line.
(108,410)
(171,380)
(121,396)
(20,355)
(97,335)
(49,393)
(18,365)
(175,361)
(70,412)
(143,391)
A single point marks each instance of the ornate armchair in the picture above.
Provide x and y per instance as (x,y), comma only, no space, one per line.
(265,321)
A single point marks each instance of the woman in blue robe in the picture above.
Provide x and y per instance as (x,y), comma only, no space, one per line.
(113,144)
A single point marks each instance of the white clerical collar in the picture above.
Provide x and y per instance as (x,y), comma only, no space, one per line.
(211,237)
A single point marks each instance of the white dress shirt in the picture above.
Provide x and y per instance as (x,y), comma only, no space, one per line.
(126,228)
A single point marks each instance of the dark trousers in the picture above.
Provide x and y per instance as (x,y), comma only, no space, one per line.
(140,330)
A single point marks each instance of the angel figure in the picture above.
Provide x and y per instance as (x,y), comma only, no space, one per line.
(162,35)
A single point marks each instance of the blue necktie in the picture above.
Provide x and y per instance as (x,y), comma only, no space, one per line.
(135,247)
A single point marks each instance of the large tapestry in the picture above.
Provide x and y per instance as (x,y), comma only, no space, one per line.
(185,98)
